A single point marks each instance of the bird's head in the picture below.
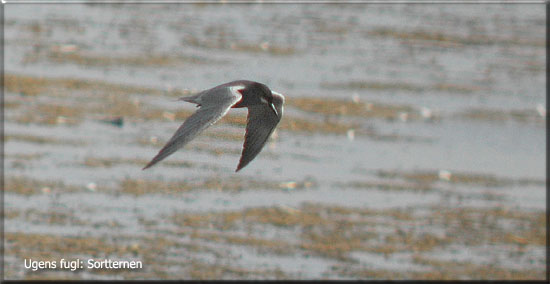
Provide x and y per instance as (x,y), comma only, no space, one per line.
(255,93)
(276,104)
(273,99)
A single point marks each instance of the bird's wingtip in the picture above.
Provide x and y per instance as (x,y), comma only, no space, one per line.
(239,167)
(147,166)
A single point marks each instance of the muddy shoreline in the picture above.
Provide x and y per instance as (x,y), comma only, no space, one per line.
(408,150)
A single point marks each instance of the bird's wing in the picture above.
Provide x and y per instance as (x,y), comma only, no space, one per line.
(214,104)
(261,122)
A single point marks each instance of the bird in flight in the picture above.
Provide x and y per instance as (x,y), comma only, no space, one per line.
(265,109)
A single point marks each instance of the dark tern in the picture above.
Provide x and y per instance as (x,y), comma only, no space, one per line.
(265,109)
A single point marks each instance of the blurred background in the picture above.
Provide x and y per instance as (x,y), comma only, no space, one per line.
(412,145)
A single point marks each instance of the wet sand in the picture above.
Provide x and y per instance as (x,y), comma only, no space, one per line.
(412,146)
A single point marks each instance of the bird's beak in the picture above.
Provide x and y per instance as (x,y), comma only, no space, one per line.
(274,109)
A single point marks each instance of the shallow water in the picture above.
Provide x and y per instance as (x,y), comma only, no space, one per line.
(470,145)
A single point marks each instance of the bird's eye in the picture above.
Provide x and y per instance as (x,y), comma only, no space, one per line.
(263,100)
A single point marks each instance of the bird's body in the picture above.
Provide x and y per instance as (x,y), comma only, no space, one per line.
(265,109)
